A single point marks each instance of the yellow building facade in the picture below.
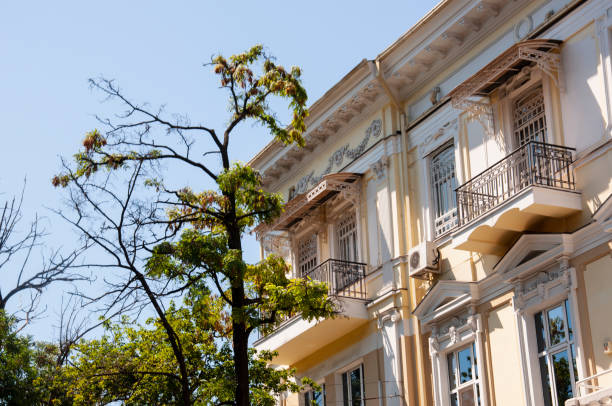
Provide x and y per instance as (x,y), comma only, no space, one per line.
(454,193)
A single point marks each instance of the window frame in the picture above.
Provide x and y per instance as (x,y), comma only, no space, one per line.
(346,372)
(447,145)
(550,294)
(308,395)
(474,382)
(311,233)
(508,97)
(337,237)
(569,345)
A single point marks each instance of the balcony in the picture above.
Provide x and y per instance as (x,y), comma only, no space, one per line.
(593,390)
(296,338)
(533,184)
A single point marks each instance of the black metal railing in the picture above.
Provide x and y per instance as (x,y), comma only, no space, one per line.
(344,278)
(535,163)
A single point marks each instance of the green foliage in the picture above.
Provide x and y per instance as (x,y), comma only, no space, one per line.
(134,365)
(143,364)
(27,369)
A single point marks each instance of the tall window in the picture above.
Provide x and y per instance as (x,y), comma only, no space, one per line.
(463,377)
(529,118)
(314,397)
(556,353)
(352,387)
(444,184)
(346,233)
(307,254)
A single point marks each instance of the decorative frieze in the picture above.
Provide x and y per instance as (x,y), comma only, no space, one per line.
(337,159)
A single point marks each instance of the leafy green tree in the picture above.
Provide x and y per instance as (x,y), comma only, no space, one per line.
(26,368)
(134,364)
(170,241)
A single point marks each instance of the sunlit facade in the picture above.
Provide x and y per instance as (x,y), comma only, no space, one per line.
(454,193)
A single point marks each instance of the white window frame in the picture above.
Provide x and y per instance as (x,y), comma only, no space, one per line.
(551,349)
(455,339)
(335,214)
(434,203)
(298,241)
(337,236)
(536,79)
(346,371)
(474,382)
(548,294)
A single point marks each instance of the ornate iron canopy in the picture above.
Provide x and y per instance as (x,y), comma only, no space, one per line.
(541,52)
(301,205)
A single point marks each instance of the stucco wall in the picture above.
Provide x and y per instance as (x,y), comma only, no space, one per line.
(505,358)
(598,285)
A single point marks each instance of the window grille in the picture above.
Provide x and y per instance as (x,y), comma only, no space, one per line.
(444,184)
(556,354)
(463,377)
(307,254)
(529,118)
(346,233)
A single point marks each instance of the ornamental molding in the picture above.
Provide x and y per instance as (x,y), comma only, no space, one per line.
(438,137)
(454,331)
(390,316)
(337,160)
(542,286)
(380,167)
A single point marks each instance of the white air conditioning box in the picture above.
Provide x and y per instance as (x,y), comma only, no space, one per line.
(423,259)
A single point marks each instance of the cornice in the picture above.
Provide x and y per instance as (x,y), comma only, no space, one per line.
(426,50)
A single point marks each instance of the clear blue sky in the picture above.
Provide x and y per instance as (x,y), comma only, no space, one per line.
(155,50)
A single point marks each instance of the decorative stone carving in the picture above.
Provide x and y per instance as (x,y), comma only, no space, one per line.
(539,286)
(337,159)
(380,167)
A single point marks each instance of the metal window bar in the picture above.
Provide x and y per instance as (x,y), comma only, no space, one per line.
(344,278)
(534,163)
(530,118)
(307,254)
(444,183)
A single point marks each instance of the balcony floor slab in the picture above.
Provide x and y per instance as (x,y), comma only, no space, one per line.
(495,231)
(298,338)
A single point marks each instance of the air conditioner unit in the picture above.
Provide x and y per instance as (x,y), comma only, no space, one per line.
(423,259)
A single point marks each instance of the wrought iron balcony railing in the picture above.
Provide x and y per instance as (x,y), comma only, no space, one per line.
(344,278)
(535,163)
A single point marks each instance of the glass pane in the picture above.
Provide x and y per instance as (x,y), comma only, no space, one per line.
(307,399)
(545,382)
(345,391)
(466,396)
(453,401)
(319,397)
(573,349)
(556,325)
(563,380)
(570,331)
(356,386)
(475,361)
(465,365)
(540,333)
(452,370)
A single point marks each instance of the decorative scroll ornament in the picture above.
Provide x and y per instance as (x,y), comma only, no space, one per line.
(380,167)
(337,159)
(539,286)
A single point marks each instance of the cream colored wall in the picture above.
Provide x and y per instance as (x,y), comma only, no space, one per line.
(583,102)
(505,358)
(598,288)
(318,160)
(594,187)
